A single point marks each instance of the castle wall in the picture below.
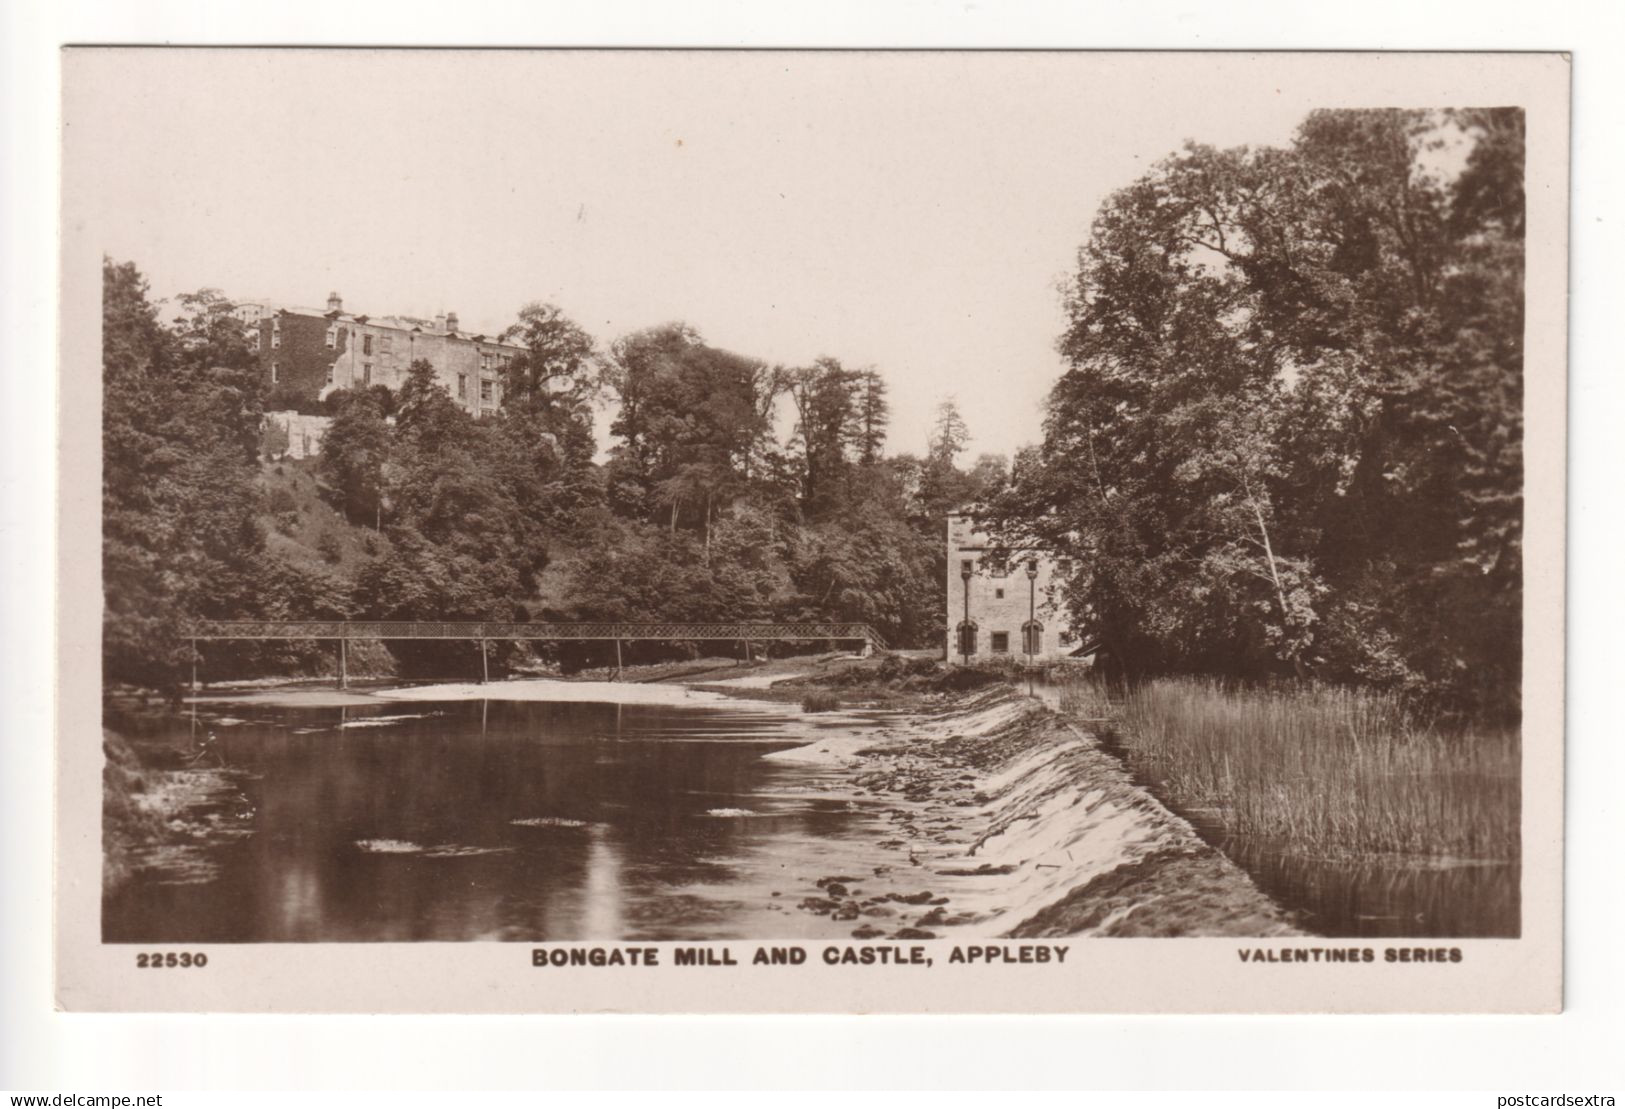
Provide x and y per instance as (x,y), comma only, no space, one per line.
(302,433)
(296,346)
(376,353)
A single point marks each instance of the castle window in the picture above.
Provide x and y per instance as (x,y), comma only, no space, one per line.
(276,339)
(366,344)
(385,341)
(330,375)
(256,343)
(485,391)
(332,338)
(1001,643)
(462,386)
(366,373)
(275,367)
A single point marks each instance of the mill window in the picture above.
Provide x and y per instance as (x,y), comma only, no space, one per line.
(967,639)
(1001,643)
(275,368)
(1032,637)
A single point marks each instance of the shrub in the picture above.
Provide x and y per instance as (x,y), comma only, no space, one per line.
(329,547)
(817,701)
(283,510)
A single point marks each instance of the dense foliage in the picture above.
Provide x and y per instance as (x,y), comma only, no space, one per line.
(180,435)
(1288,441)
(1289,437)
(699,511)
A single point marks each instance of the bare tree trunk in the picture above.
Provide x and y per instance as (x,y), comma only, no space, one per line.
(1275,576)
(708,529)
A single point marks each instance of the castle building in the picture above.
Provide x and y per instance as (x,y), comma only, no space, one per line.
(250,312)
(1003,603)
(305,353)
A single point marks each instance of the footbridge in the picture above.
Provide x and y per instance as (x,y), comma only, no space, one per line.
(485,631)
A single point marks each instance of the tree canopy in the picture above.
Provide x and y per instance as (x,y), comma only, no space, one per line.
(701,510)
(1288,439)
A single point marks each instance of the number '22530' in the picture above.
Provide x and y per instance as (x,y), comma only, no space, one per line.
(171,959)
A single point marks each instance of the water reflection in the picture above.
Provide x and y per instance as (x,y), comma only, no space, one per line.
(502,820)
(1384,897)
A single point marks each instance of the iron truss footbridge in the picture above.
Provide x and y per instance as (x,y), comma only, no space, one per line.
(484,631)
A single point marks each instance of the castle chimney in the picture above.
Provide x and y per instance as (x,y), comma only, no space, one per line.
(440,322)
(335,303)
(451,321)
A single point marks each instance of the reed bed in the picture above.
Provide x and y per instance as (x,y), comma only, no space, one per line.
(1335,771)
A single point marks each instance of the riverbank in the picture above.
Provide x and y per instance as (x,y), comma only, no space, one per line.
(165,810)
(1360,813)
(1325,771)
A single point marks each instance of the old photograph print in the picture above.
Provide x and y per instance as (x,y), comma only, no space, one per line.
(839,500)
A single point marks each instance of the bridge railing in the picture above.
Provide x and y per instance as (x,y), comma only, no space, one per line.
(486,629)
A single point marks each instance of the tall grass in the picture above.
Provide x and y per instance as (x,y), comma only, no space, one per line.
(1083,694)
(1327,769)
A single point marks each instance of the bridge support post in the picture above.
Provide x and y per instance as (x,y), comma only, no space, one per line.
(344,664)
(485,665)
(194,666)
(617,660)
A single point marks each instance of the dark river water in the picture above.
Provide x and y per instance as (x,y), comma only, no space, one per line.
(533,820)
(502,820)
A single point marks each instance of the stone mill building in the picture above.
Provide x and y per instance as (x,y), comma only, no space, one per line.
(1002,603)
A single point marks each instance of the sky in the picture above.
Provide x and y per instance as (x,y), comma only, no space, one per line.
(914,212)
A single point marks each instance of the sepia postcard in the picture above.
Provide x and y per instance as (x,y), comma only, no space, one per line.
(575,531)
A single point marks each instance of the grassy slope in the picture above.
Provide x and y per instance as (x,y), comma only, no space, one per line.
(296,536)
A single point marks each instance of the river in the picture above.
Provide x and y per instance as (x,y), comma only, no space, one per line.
(576,811)
(505,820)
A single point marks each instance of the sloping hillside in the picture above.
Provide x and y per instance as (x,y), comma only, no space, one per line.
(304,530)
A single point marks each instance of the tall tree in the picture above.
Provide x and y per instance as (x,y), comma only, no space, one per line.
(692,421)
(826,398)
(1287,437)
(873,416)
(180,433)
(547,396)
(355,454)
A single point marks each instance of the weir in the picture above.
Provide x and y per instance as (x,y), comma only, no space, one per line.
(483,631)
